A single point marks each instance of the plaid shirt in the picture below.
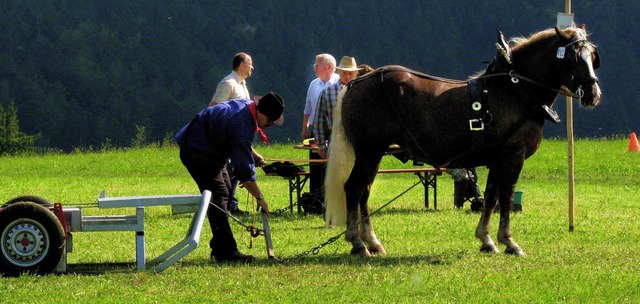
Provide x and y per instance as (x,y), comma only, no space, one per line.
(321,127)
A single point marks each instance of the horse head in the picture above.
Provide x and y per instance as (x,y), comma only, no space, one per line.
(580,58)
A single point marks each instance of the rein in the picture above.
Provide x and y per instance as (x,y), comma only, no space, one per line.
(515,78)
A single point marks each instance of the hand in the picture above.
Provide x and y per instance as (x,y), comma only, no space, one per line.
(260,161)
(322,153)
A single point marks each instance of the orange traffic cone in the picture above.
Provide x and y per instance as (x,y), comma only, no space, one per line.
(633,143)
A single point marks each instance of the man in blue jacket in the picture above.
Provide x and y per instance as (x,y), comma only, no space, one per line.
(226,131)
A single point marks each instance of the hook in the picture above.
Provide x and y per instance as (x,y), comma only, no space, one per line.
(514,78)
(579,92)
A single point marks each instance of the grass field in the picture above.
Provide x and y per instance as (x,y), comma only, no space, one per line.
(432,255)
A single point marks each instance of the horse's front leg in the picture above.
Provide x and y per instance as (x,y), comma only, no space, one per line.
(508,179)
(366,228)
(504,230)
(490,199)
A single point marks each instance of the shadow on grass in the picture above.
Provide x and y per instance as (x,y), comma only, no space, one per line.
(333,259)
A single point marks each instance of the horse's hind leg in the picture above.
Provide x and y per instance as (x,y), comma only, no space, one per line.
(366,228)
(490,199)
(357,194)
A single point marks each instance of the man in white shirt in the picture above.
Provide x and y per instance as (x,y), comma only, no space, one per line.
(325,67)
(234,85)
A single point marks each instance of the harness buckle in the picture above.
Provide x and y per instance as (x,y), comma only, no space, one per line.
(476,124)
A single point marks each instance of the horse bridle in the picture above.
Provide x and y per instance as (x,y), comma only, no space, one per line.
(595,64)
(515,77)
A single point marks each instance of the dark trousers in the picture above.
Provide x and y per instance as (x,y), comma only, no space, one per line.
(233,201)
(316,174)
(215,179)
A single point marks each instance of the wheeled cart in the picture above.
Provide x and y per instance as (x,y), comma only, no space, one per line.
(35,235)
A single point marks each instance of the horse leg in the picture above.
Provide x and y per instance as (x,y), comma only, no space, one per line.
(505,193)
(490,199)
(357,194)
(366,228)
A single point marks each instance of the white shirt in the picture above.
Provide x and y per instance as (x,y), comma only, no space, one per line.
(313,93)
(231,87)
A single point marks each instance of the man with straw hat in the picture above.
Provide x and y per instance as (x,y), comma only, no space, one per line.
(321,127)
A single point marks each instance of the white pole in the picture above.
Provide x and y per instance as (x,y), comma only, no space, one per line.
(567,5)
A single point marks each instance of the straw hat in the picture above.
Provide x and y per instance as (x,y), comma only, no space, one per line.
(348,64)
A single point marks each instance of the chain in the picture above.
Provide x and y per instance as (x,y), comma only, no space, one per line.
(315,250)
(283,210)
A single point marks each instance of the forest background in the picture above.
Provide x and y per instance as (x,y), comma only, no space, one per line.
(86,73)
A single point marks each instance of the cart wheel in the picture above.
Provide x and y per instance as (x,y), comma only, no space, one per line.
(31,239)
(29,198)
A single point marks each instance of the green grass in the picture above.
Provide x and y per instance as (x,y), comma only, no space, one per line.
(432,255)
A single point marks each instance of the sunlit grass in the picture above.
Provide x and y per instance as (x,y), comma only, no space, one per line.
(432,255)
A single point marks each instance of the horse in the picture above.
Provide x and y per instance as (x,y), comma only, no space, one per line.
(493,119)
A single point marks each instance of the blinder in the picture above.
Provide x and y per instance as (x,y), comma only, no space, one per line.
(574,60)
(596,60)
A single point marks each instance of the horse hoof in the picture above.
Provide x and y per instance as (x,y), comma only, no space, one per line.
(361,252)
(514,251)
(489,249)
(377,249)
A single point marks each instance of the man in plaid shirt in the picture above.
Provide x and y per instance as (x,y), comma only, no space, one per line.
(321,127)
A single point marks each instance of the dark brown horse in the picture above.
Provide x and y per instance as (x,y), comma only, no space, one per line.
(495,119)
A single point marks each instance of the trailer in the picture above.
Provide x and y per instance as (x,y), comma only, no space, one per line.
(36,235)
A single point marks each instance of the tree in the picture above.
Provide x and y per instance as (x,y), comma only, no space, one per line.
(12,141)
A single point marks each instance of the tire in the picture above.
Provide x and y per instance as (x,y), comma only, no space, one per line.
(29,198)
(31,239)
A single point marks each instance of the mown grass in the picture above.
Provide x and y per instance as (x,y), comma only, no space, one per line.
(432,255)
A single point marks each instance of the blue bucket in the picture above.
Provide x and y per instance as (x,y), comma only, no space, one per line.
(517,200)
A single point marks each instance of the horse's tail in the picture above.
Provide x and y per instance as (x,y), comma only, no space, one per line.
(339,166)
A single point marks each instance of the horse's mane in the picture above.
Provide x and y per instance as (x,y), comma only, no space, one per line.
(521,42)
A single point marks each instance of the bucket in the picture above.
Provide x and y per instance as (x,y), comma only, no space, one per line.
(517,200)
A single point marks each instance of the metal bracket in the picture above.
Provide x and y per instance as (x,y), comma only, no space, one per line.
(476,124)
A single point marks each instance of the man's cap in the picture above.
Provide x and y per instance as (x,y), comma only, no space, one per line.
(272,105)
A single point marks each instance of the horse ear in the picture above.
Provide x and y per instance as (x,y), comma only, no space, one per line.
(503,49)
(584,28)
(562,34)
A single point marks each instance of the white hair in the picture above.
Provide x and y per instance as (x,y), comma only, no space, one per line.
(327,58)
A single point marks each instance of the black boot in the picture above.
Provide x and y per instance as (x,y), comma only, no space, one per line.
(234,257)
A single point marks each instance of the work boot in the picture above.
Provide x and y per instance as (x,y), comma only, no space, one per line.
(235,257)
(237,212)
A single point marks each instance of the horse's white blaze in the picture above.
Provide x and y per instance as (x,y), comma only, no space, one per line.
(585,55)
